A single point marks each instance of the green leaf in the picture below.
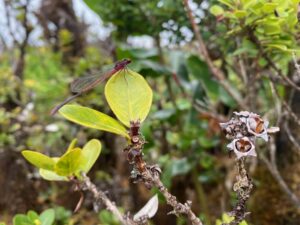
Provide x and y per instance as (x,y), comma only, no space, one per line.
(240,13)
(39,160)
(21,219)
(212,88)
(32,215)
(271,28)
(72,144)
(51,175)
(91,152)
(228,3)
(47,217)
(269,7)
(216,10)
(226,218)
(180,166)
(129,96)
(69,163)
(278,46)
(93,119)
(106,217)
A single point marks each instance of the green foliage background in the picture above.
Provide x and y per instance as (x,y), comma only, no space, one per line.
(182,128)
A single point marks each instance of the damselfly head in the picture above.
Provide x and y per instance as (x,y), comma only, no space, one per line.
(122,64)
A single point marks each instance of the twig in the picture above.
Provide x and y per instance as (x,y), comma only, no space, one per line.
(150,175)
(20,64)
(279,72)
(297,66)
(292,138)
(8,24)
(201,197)
(100,196)
(151,178)
(217,73)
(277,102)
(291,113)
(272,167)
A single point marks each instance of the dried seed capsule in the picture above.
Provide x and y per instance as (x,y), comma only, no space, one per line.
(242,147)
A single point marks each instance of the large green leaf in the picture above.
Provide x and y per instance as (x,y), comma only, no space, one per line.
(39,160)
(129,96)
(93,119)
(47,217)
(213,89)
(91,152)
(69,163)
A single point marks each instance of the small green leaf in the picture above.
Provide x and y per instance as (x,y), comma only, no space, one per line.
(271,28)
(226,218)
(21,219)
(180,166)
(47,217)
(32,215)
(72,144)
(93,119)
(39,160)
(51,175)
(216,10)
(69,163)
(269,7)
(228,3)
(240,13)
(129,96)
(278,46)
(91,152)
(106,217)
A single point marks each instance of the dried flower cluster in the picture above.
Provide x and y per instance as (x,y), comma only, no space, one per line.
(243,129)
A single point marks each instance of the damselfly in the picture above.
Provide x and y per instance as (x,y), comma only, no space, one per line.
(84,84)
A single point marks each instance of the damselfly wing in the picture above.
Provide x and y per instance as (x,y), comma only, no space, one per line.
(84,84)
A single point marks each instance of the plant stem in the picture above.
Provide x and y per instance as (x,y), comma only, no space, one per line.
(151,178)
(150,175)
(201,196)
(100,196)
(242,187)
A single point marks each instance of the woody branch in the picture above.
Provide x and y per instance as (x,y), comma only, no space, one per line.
(150,175)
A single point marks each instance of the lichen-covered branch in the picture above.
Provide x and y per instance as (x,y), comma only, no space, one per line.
(150,175)
(242,187)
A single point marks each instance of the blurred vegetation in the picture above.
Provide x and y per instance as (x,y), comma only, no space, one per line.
(251,41)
